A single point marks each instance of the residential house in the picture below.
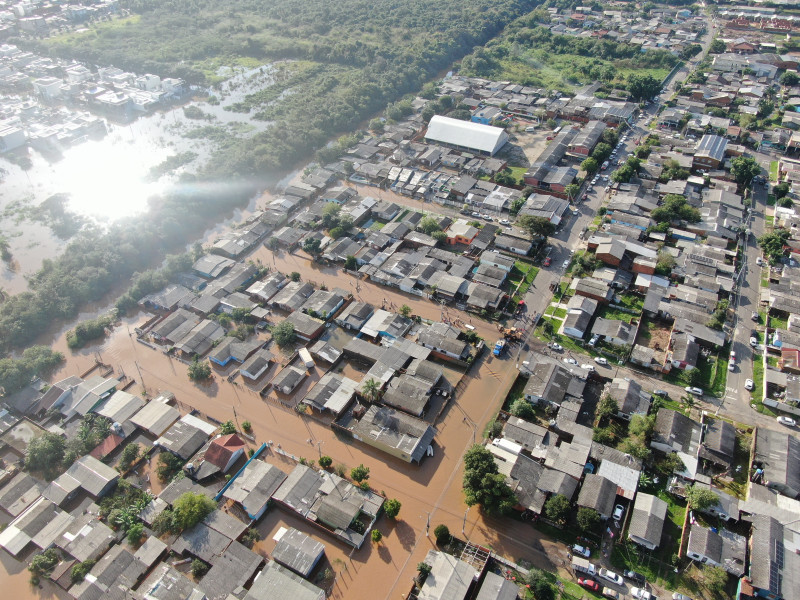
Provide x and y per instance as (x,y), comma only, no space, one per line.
(450,578)
(580,311)
(292,296)
(675,432)
(551,383)
(718,548)
(594,288)
(258,364)
(631,399)
(332,392)
(287,381)
(710,152)
(297,551)
(461,232)
(493,258)
(253,488)
(394,432)
(445,345)
(514,244)
(647,521)
(776,458)
(322,304)
(617,333)
(224,451)
(275,581)
(41,524)
(599,494)
(232,349)
(306,327)
(774,571)
(183,439)
(88,474)
(718,442)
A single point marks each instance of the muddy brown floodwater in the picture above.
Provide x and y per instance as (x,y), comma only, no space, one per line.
(430,491)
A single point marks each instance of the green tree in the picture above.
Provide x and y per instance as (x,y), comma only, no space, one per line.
(80,571)
(557,508)
(537,226)
(700,498)
(376,536)
(191,508)
(325,461)
(717,47)
(128,456)
(780,190)
(199,370)
(590,166)
(522,408)
(45,454)
(606,407)
(789,79)
(168,465)
(247,426)
(483,484)
(283,334)
(665,263)
(428,225)
(517,204)
(294,276)
(587,518)
(43,564)
(641,426)
(601,152)
(635,447)
(312,246)
(774,244)
(371,389)
(642,87)
(135,533)
(539,584)
(392,508)
(227,428)
(572,190)
(743,169)
(405,310)
(359,473)
(198,568)
(439,236)
(442,535)
(350,263)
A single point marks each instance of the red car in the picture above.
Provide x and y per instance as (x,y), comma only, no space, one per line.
(547,262)
(589,584)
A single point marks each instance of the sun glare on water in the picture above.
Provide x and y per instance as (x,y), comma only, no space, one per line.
(108,181)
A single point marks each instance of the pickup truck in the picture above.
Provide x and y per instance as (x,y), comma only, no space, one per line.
(581,565)
(499,347)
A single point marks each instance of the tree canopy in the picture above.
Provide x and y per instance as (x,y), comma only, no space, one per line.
(744,168)
(283,333)
(483,484)
(700,498)
(643,86)
(191,508)
(537,226)
(45,454)
(675,208)
(774,244)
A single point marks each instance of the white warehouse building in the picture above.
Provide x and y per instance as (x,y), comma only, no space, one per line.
(465,135)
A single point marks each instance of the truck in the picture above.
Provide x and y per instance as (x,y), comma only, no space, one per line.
(305,356)
(582,565)
(499,347)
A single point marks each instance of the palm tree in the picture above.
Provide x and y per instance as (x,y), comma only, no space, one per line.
(371,389)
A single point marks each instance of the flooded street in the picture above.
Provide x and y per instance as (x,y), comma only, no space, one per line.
(431,490)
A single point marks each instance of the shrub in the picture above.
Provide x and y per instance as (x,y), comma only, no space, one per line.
(227,428)
(129,455)
(442,534)
(325,461)
(247,426)
(199,568)
(135,534)
(392,508)
(359,473)
(191,508)
(376,536)
(80,570)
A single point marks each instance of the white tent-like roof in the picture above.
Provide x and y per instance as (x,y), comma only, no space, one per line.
(465,134)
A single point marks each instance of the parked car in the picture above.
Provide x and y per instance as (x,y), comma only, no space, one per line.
(565,264)
(570,361)
(788,421)
(609,593)
(641,594)
(581,551)
(587,367)
(754,316)
(753,341)
(731,365)
(678,596)
(504,221)
(600,360)
(576,212)
(694,390)
(748,384)
(759,261)
(661,393)
(637,578)
(619,512)
(589,584)
(611,576)
(547,262)
(557,347)
(476,214)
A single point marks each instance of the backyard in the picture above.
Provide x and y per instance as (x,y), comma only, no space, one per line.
(520,278)
(712,378)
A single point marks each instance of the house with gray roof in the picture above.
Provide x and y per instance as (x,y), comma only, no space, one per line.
(19,493)
(386,324)
(612,331)
(720,548)
(450,578)
(233,349)
(200,339)
(329,500)
(483,297)
(182,439)
(258,364)
(297,551)
(167,583)
(675,432)
(332,392)
(774,562)
(306,327)
(86,473)
(120,406)
(156,417)
(534,439)
(599,494)
(776,457)
(718,442)
(631,399)
(394,432)
(212,266)
(41,524)
(292,296)
(551,383)
(232,570)
(254,486)
(647,521)
(448,346)
(276,581)
(355,315)
(265,289)
(113,576)
(86,538)
(323,304)
(287,381)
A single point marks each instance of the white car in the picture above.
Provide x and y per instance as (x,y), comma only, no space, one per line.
(694,390)
(611,576)
(788,421)
(565,264)
(753,341)
(575,212)
(587,367)
(555,346)
(570,361)
(504,222)
(641,594)
(748,384)
(619,511)
(582,551)
(731,366)
(600,360)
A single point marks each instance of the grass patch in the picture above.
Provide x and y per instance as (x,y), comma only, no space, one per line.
(632,302)
(376,226)
(769,220)
(609,312)
(521,277)
(771,200)
(560,313)
(773,171)
(737,485)
(772,361)
(757,394)
(515,393)
(714,374)
(778,322)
